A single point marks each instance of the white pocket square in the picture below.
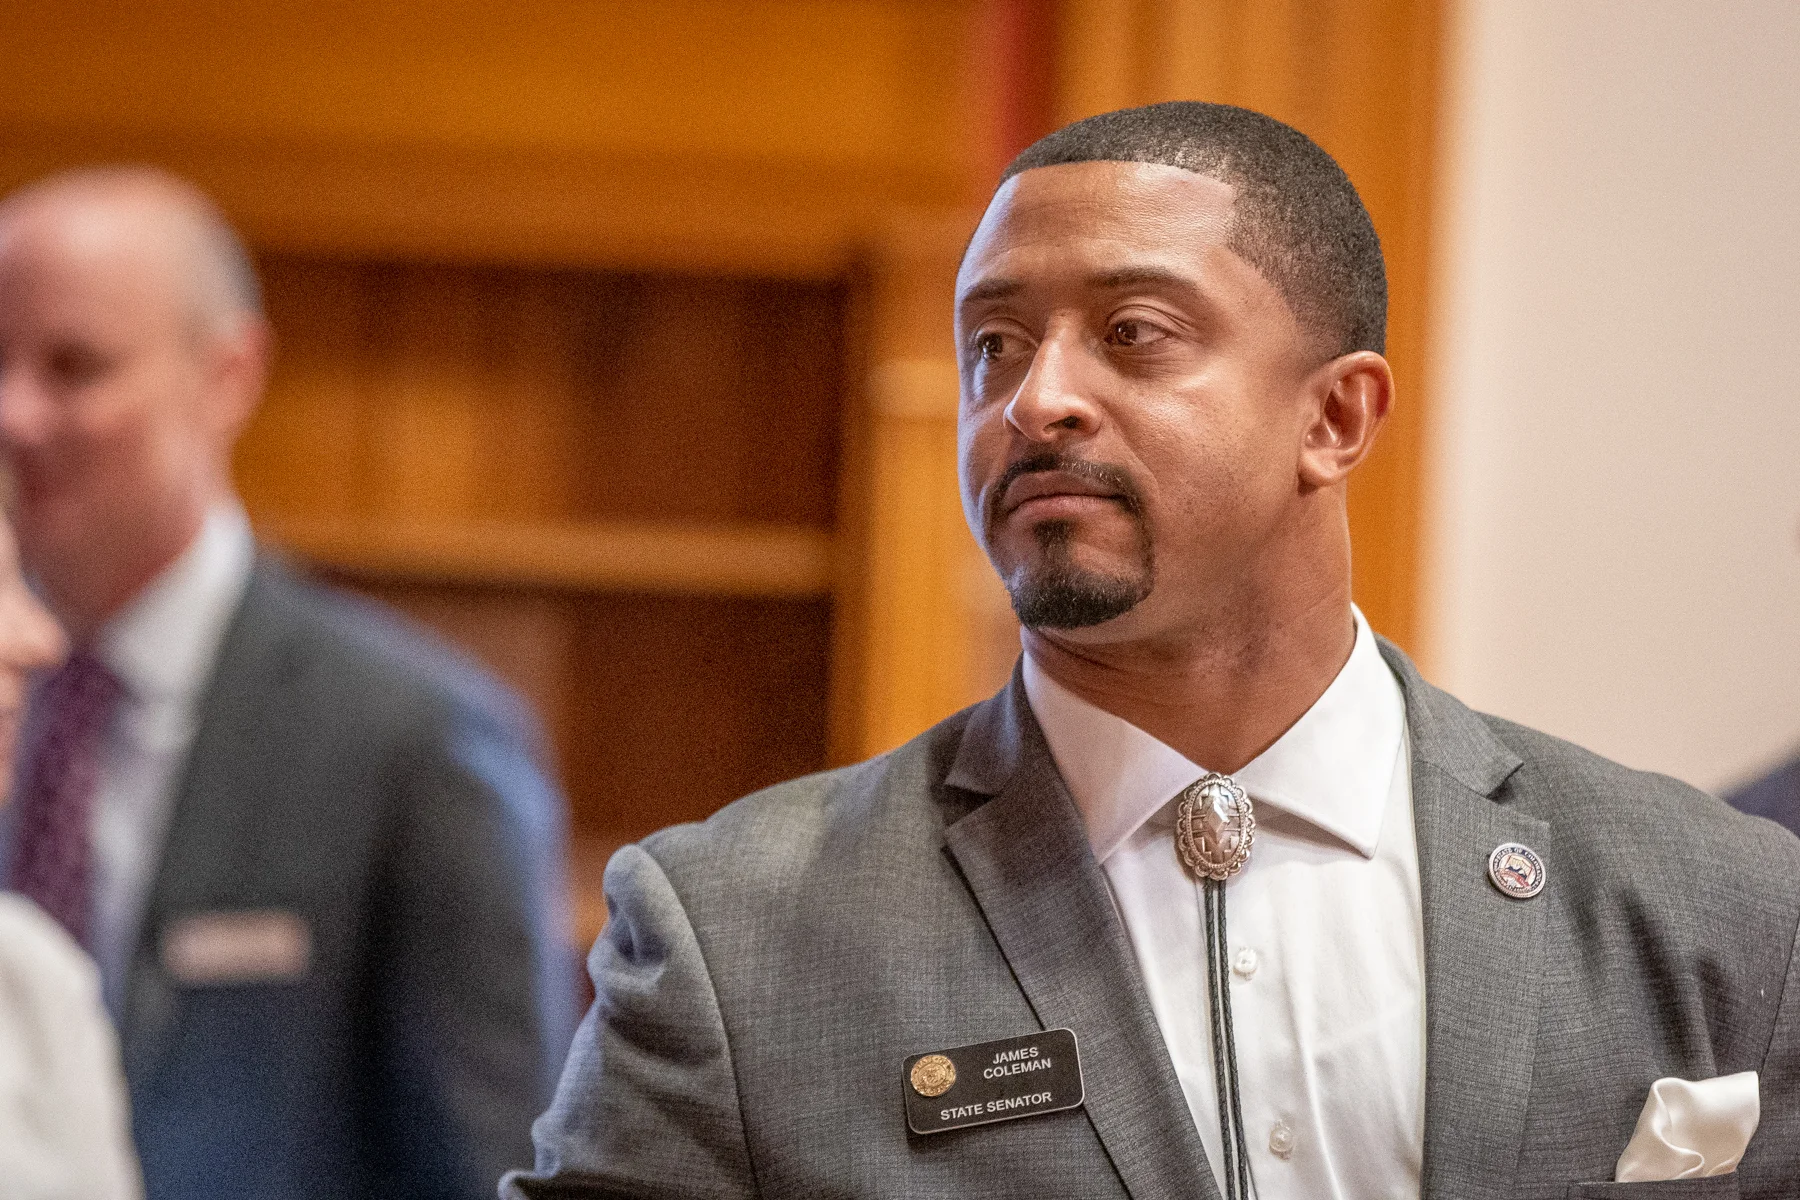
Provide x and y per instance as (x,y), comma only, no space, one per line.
(1691,1130)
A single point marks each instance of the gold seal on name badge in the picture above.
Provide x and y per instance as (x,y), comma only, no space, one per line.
(933,1075)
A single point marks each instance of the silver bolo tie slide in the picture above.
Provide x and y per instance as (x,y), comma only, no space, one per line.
(1214,829)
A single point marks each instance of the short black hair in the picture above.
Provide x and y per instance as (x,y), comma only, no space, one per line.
(1297,218)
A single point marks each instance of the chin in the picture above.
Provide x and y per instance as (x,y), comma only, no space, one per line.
(1065,596)
(49,534)
(39,528)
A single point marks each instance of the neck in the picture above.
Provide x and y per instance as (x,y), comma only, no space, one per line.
(1223,689)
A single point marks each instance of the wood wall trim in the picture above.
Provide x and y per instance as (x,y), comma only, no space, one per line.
(916,591)
(742,216)
(643,556)
(699,135)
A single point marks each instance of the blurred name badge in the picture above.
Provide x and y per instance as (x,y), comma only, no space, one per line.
(217,949)
(992,1081)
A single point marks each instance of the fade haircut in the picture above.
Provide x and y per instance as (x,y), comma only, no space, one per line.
(1297,218)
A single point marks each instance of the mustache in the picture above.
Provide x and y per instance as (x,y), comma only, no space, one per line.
(1115,479)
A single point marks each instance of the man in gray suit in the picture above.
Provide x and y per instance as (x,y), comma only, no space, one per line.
(1314,928)
(315,854)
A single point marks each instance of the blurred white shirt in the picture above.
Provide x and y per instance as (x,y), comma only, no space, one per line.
(163,647)
(64,1133)
(1324,925)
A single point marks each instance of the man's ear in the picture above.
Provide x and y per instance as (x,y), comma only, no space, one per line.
(240,373)
(1351,396)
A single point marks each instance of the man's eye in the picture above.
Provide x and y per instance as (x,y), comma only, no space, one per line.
(990,346)
(1133,333)
(77,364)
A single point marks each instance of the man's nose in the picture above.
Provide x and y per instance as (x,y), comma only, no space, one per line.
(1054,402)
(32,639)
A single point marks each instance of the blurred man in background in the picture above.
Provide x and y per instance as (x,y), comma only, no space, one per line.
(63,1128)
(316,856)
(1775,796)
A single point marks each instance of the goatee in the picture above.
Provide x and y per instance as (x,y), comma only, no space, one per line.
(1057,594)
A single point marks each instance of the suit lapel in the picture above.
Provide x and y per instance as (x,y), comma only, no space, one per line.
(1025,856)
(1482,949)
(206,837)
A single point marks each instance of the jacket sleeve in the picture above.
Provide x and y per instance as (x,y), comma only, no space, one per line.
(648,1104)
(471,974)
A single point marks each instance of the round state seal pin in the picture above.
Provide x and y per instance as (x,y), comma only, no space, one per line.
(1516,870)
(933,1075)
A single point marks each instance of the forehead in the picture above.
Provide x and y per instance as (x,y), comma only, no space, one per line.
(1081,217)
(76,265)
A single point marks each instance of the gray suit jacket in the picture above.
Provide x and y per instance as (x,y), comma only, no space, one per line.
(351,772)
(765,974)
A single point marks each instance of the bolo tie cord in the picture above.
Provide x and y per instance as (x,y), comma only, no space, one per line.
(1236,1167)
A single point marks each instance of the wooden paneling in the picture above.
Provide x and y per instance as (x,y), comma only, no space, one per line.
(1361,77)
(682,704)
(706,134)
(820,82)
(680,557)
(925,621)
(428,393)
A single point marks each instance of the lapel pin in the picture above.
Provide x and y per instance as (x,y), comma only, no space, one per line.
(1516,870)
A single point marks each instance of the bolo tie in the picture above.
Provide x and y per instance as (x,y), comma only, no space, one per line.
(1214,827)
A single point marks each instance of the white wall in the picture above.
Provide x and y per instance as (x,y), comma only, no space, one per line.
(1615,555)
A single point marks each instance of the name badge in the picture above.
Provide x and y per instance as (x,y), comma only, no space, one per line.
(993,1081)
(223,948)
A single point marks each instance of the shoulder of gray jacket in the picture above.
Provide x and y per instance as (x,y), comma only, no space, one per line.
(1629,831)
(881,812)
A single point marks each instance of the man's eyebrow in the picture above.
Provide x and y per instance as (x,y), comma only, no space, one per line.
(992,289)
(1126,277)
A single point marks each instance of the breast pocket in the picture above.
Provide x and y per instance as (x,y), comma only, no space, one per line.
(1719,1187)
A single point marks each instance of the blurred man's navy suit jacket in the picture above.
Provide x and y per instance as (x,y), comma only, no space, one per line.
(351,774)
(1775,796)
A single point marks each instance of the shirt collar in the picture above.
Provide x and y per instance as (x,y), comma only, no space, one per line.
(162,645)
(1332,768)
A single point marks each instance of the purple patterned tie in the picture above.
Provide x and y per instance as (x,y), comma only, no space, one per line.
(51,854)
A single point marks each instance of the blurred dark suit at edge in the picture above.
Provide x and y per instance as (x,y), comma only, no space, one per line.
(1775,796)
(348,770)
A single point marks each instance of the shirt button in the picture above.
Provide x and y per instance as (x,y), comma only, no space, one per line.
(1281,1140)
(1243,963)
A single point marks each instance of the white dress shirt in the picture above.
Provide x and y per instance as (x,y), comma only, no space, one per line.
(1324,926)
(163,647)
(63,1128)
